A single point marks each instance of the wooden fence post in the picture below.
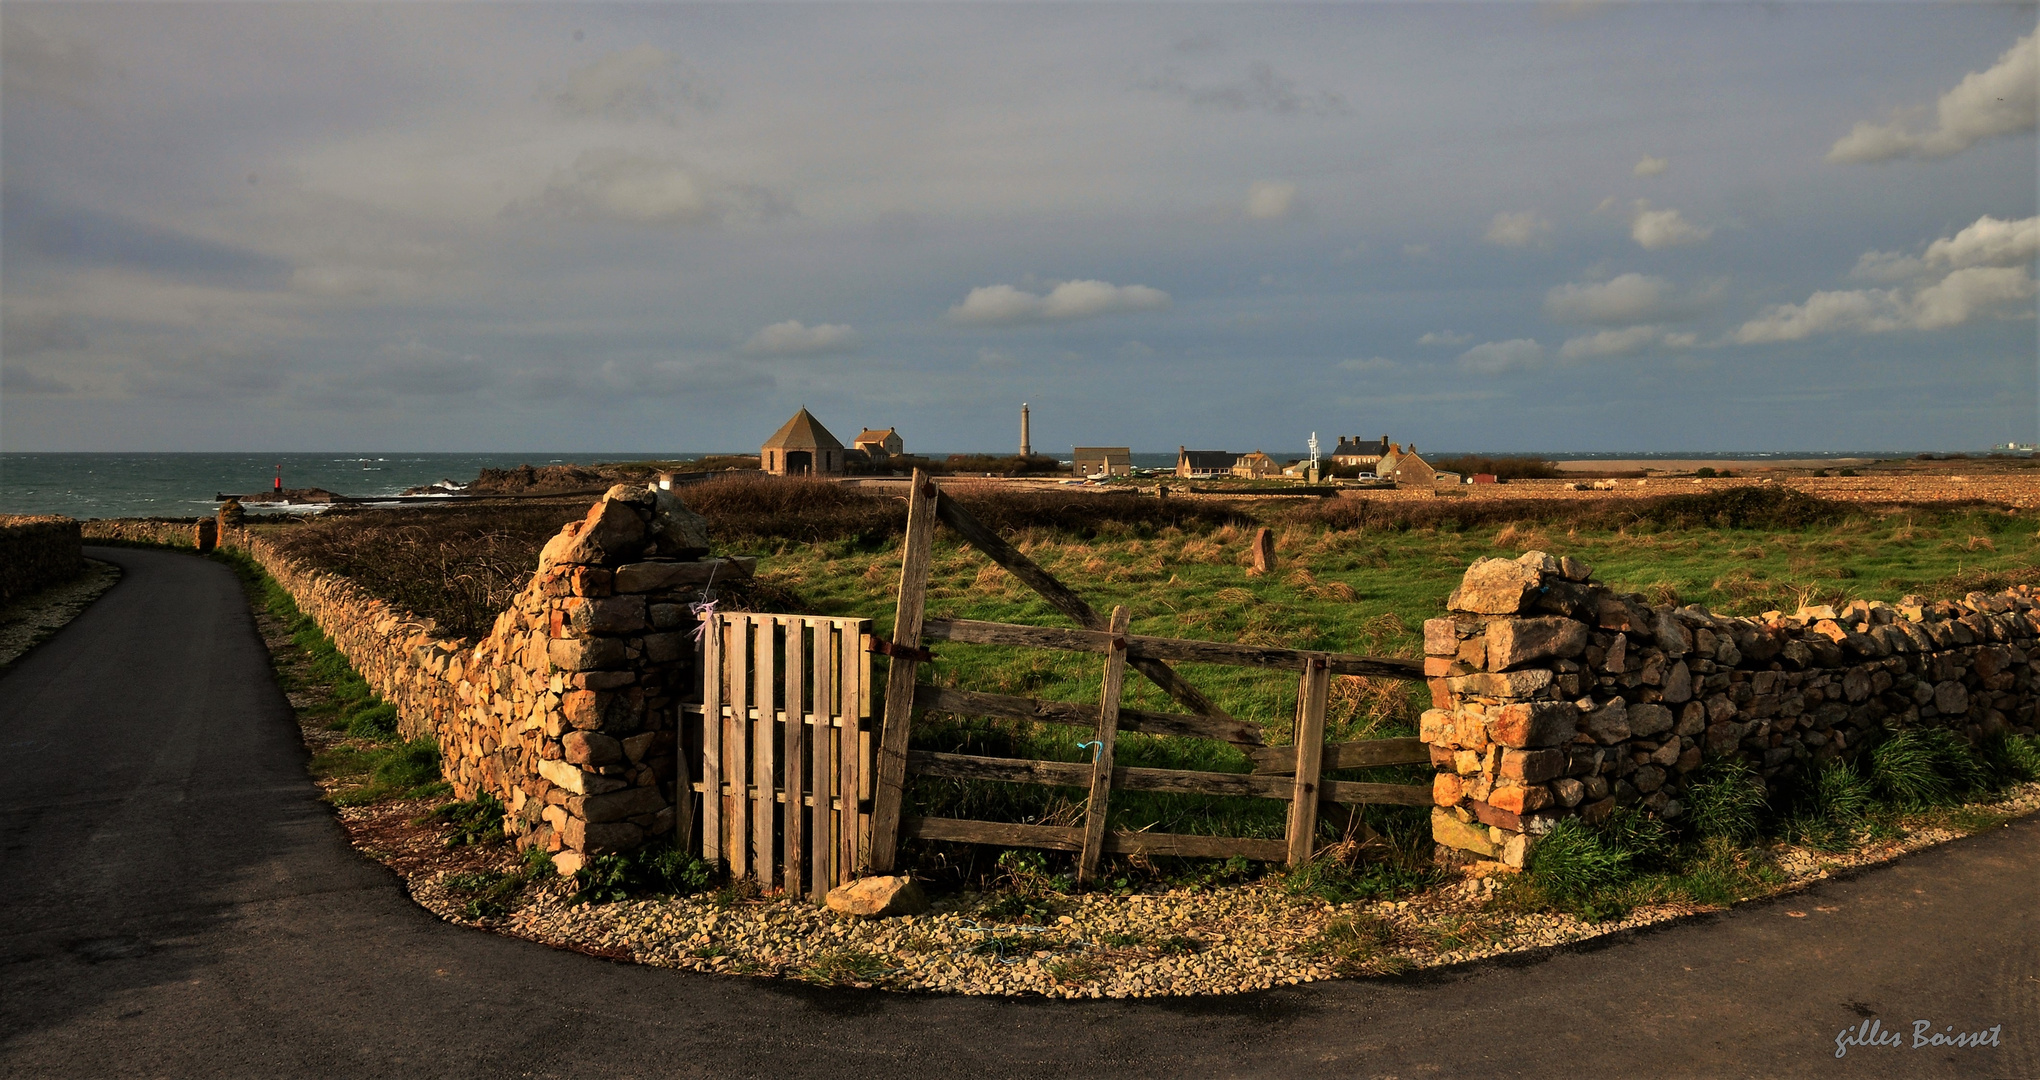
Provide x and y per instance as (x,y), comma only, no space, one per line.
(1311,695)
(711,736)
(1107,739)
(889,793)
(793,836)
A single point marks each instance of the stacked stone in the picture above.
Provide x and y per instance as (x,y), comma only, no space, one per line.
(37,552)
(568,711)
(1553,695)
(169,532)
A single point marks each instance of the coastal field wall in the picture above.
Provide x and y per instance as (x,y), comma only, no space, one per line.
(166,532)
(1555,696)
(567,712)
(37,552)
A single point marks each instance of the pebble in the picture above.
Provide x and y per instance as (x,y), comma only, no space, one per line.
(1248,937)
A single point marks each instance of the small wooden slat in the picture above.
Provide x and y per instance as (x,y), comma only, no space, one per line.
(764,749)
(1107,739)
(889,793)
(827,841)
(736,748)
(1055,838)
(1180,781)
(1051,837)
(1311,696)
(712,695)
(1069,603)
(1198,847)
(1364,753)
(793,833)
(1078,714)
(851,659)
(1356,792)
(975,632)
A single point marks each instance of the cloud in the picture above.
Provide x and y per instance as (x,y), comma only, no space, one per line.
(1004,305)
(25,333)
(1623,342)
(633,84)
(1136,350)
(1499,356)
(15,379)
(1416,251)
(1263,90)
(1625,300)
(621,186)
(1518,229)
(790,338)
(1270,200)
(1999,101)
(1444,337)
(1962,295)
(34,64)
(1656,229)
(1650,166)
(693,379)
(1985,269)
(1988,242)
(414,368)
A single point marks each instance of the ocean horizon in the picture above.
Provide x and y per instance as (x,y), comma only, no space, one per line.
(186,484)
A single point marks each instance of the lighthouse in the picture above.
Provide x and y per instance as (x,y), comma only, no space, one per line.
(1026,439)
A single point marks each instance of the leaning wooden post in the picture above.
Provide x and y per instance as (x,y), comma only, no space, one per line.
(1106,739)
(711,735)
(1263,549)
(1311,697)
(890,791)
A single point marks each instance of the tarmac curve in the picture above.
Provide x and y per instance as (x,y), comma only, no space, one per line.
(177,901)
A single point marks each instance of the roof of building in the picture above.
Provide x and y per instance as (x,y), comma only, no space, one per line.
(873,435)
(1207,459)
(1102,451)
(1355,448)
(803,432)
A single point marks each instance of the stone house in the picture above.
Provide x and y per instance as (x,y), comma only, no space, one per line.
(1351,451)
(802,447)
(1406,468)
(879,445)
(1101,460)
(1255,466)
(1204,464)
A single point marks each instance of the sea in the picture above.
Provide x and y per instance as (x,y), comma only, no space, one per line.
(88,486)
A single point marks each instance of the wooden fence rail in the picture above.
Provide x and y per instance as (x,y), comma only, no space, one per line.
(1290,773)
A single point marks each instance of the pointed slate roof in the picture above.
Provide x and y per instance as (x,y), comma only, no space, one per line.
(803,432)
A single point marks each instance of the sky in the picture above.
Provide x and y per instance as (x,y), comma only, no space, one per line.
(663,228)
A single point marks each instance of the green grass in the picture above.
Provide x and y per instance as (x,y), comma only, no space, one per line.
(1350,590)
(372,764)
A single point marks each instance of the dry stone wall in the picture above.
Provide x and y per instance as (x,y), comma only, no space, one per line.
(37,552)
(568,711)
(168,532)
(1555,696)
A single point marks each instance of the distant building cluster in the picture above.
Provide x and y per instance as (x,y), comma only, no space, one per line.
(803,447)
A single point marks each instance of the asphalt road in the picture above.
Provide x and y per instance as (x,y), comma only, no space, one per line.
(178,902)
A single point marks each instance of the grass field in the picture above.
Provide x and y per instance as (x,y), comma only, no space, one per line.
(1347,590)
(1353,576)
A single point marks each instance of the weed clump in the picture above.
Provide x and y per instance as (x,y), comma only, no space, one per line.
(608,879)
(477,821)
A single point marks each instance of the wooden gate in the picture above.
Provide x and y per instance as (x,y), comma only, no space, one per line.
(1292,773)
(785,751)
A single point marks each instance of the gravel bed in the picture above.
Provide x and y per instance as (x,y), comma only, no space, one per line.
(1227,940)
